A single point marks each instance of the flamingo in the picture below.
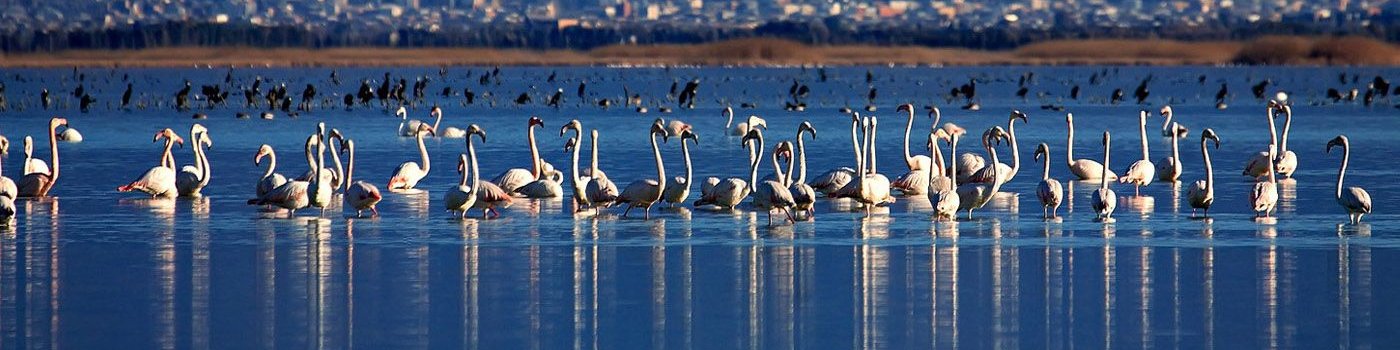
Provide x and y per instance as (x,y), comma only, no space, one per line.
(542,186)
(679,187)
(1264,197)
(408,128)
(1048,191)
(291,195)
(772,195)
(741,129)
(512,179)
(1007,172)
(579,184)
(460,198)
(675,126)
(336,141)
(728,193)
(488,197)
(1169,170)
(1257,166)
(836,179)
(1142,171)
(803,196)
(1084,169)
(942,193)
(601,191)
(31,164)
(871,189)
(1287,161)
(327,175)
(406,176)
(450,132)
(1170,129)
(976,195)
(643,193)
(1201,195)
(270,179)
(1104,200)
(8,191)
(192,179)
(70,134)
(913,182)
(38,184)
(159,181)
(359,195)
(1354,199)
(319,190)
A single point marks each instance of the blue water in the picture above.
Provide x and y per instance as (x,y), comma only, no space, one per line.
(94,268)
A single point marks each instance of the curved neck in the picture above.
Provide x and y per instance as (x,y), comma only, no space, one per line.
(1015,149)
(335,159)
(1210,171)
(1142,135)
(953,165)
(996,173)
(1273,133)
(685,150)
(729,121)
(1342,172)
(165,156)
(1287,124)
(423,152)
(320,163)
(756,148)
(787,179)
(53,152)
(311,158)
(534,152)
(660,167)
(778,168)
(1045,171)
(271,164)
(203,162)
(909,126)
(856,146)
(437,121)
(1166,126)
(471,156)
(870,148)
(1273,154)
(593,169)
(1176,148)
(801,160)
(349,165)
(573,162)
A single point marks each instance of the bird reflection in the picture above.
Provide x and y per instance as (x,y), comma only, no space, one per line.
(1007,200)
(874,227)
(1287,195)
(199,274)
(944,312)
(1142,205)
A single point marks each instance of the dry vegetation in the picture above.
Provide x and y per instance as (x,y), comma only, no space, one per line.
(1266,50)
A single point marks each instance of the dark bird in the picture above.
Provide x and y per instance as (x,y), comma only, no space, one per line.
(1382,86)
(468,95)
(383,92)
(1222,94)
(1074,92)
(1022,92)
(1141,92)
(557,98)
(583,86)
(551,77)
(78,91)
(308,95)
(44,98)
(85,102)
(687,96)
(1334,95)
(126,96)
(365,93)
(335,77)
(1260,88)
(969,90)
(524,98)
(349,101)
(182,96)
(1116,97)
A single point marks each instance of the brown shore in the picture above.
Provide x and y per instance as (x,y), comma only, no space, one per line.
(1267,50)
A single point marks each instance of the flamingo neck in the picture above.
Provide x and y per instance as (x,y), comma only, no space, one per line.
(1166,126)
(756,149)
(349,165)
(996,173)
(465,171)
(53,152)
(685,150)
(1273,154)
(787,178)
(335,159)
(573,169)
(801,160)
(1142,135)
(856,146)
(476,175)
(438,121)
(660,167)
(1069,145)
(319,166)
(271,164)
(423,152)
(953,165)
(1342,172)
(1210,171)
(593,168)
(1045,171)
(729,121)
(1287,124)
(1103,175)
(909,126)
(1273,134)
(534,152)
(203,163)
(1015,149)
(777,168)
(870,149)
(1176,148)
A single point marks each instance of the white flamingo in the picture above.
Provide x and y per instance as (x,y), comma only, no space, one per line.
(913,182)
(645,192)
(450,132)
(1264,197)
(803,195)
(977,194)
(1170,129)
(38,184)
(409,128)
(678,190)
(319,191)
(578,183)
(1104,201)
(1048,191)
(1141,172)
(8,191)
(159,181)
(728,193)
(407,175)
(836,179)
(291,195)
(270,179)
(1258,165)
(1287,161)
(359,195)
(942,193)
(872,189)
(1169,170)
(1201,195)
(489,197)
(31,164)
(459,199)
(69,134)
(1353,199)
(543,186)
(1007,171)
(773,195)
(192,179)
(512,179)
(602,192)
(1083,169)
(327,175)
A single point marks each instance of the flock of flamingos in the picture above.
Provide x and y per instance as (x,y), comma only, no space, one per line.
(953,184)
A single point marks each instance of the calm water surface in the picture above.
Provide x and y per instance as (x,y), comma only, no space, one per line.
(93,268)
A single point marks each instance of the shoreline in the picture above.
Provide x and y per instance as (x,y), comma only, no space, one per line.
(750,52)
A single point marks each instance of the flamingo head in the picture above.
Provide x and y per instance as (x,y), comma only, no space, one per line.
(168,134)
(688,133)
(1166,111)
(658,127)
(372,195)
(1142,116)
(57,122)
(436,111)
(569,145)
(1209,134)
(428,129)
(4,145)
(402,113)
(396,182)
(461,163)
(1018,114)
(262,151)
(907,107)
(335,135)
(1340,140)
(535,121)
(783,150)
(807,127)
(476,130)
(728,111)
(28,146)
(1105,138)
(933,112)
(1042,151)
(572,125)
(1069,118)
(347,145)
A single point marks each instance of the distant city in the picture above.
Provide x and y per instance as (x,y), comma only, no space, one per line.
(46,25)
